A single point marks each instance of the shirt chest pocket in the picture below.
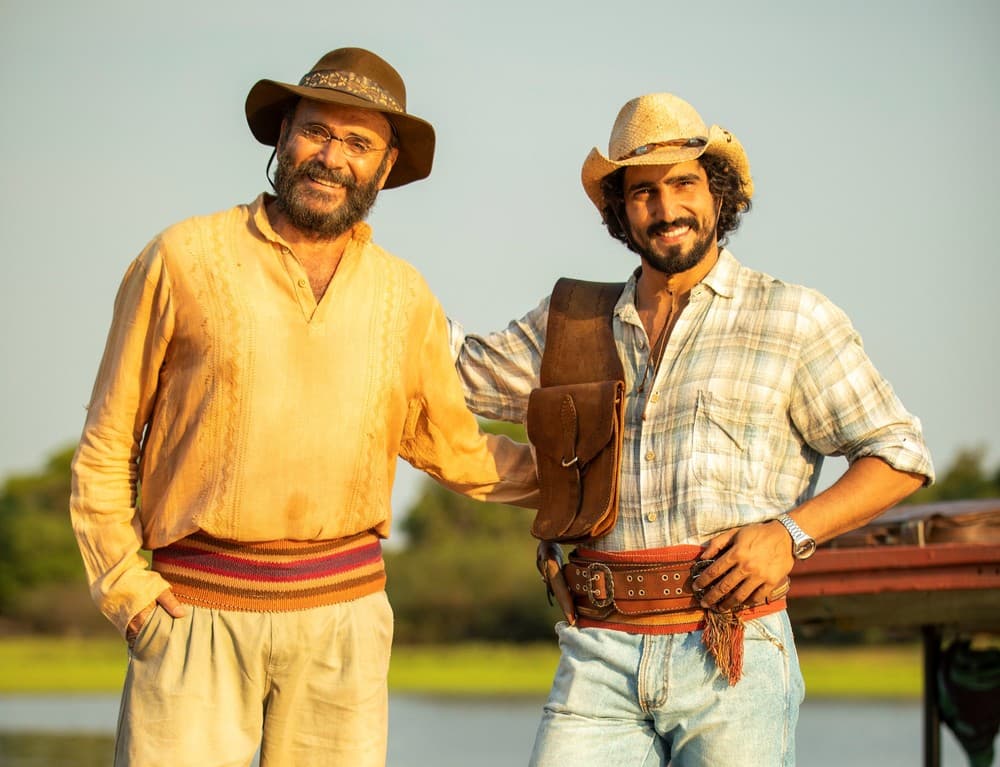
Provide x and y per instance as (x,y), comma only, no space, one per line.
(730,444)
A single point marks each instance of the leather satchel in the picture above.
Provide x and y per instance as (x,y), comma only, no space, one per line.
(576,418)
(577,432)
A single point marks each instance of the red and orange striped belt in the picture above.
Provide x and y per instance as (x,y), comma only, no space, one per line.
(271,576)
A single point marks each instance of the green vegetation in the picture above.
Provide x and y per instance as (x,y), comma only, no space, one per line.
(467,570)
(473,669)
(58,665)
(61,665)
(42,586)
(866,671)
(467,574)
(965,478)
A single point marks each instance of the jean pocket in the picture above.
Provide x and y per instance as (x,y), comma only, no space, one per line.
(773,628)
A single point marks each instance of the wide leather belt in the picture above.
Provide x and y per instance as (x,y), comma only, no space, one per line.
(621,591)
(631,588)
(650,592)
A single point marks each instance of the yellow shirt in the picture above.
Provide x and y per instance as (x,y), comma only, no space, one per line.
(244,409)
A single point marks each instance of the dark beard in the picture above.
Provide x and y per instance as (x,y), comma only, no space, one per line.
(675,260)
(293,198)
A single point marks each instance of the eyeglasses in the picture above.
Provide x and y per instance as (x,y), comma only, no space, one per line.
(680,143)
(353,146)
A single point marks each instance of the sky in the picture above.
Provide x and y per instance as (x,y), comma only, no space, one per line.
(870,128)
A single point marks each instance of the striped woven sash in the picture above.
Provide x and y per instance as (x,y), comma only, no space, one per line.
(273,576)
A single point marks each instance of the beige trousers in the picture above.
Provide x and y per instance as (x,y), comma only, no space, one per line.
(308,687)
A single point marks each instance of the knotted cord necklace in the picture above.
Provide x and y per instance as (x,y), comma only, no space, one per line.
(654,358)
(658,347)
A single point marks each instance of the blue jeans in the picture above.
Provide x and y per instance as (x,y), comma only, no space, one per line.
(631,700)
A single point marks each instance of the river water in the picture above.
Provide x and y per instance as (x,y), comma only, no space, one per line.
(64,731)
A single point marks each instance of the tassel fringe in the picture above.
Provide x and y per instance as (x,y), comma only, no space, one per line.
(723,638)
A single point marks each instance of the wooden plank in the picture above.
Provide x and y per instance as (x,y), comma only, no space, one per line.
(950,584)
(968,610)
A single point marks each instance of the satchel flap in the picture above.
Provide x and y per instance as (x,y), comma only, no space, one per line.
(595,423)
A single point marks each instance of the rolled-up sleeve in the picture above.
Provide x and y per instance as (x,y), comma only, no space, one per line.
(842,405)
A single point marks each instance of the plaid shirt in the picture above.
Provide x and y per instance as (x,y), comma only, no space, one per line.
(759,380)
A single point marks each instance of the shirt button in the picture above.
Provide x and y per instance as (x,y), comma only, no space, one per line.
(302,283)
(641,344)
(650,455)
(654,397)
(285,250)
(651,516)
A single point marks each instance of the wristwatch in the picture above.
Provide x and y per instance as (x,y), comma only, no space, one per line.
(803,544)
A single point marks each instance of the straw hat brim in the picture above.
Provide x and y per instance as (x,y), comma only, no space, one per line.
(720,142)
(268,99)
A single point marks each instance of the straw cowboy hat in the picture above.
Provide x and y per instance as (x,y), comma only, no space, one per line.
(355,78)
(660,129)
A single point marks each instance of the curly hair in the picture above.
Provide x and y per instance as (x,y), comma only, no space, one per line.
(724,183)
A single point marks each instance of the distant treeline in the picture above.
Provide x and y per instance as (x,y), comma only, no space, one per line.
(465,572)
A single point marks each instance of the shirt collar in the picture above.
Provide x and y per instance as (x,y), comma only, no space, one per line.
(721,280)
(723,277)
(625,308)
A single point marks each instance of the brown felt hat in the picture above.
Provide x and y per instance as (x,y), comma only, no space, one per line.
(661,129)
(355,78)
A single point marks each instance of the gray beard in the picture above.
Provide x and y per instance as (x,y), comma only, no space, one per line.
(292,198)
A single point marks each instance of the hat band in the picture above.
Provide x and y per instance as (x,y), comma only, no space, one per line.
(354,84)
(695,142)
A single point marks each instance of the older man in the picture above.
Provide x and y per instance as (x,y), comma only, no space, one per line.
(677,646)
(265,367)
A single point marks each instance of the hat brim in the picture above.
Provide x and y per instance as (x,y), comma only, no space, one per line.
(268,99)
(720,142)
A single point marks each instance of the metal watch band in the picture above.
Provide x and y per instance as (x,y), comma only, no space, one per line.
(803,544)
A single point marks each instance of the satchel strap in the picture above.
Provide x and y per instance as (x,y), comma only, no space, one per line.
(580,340)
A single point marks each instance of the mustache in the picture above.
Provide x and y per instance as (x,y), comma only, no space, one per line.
(662,227)
(318,171)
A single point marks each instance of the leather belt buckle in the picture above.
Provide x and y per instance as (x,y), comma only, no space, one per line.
(697,569)
(599,571)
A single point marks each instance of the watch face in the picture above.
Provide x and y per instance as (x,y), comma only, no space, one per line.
(803,545)
(805,548)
